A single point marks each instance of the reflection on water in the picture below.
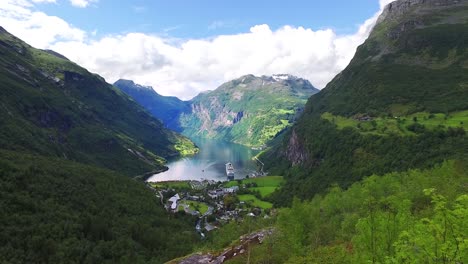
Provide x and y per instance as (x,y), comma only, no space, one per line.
(210,162)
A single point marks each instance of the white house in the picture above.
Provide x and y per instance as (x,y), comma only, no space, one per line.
(173,200)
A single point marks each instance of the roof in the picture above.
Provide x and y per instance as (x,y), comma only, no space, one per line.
(174,200)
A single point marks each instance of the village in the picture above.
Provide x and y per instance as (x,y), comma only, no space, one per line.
(216,203)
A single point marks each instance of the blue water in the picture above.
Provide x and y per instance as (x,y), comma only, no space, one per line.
(210,162)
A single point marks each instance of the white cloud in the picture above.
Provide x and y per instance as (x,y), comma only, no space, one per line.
(190,66)
(383,3)
(44,1)
(81,3)
(36,28)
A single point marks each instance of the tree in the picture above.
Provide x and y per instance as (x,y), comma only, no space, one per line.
(439,239)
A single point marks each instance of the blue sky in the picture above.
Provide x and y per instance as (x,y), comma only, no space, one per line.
(182,48)
(206,18)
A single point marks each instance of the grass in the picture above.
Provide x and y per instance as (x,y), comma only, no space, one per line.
(254,201)
(264,191)
(398,124)
(265,185)
(267,181)
(171,184)
(202,207)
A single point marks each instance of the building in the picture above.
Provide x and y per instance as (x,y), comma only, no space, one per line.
(174,201)
(232,189)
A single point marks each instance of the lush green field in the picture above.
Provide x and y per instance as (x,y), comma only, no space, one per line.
(266,181)
(264,185)
(402,125)
(171,184)
(249,198)
(197,206)
(264,191)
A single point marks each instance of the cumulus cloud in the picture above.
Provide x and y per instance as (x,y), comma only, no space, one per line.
(186,67)
(36,28)
(44,1)
(81,3)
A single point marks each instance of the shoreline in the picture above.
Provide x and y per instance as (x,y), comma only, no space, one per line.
(145,176)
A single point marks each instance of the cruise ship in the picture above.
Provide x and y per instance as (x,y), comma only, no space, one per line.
(230,171)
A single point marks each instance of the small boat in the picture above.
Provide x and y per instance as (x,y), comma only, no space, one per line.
(229,170)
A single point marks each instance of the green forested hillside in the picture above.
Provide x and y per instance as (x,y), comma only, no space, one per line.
(417,216)
(68,142)
(393,108)
(249,110)
(57,211)
(53,107)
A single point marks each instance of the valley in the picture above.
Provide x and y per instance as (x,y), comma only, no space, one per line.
(249,110)
(373,168)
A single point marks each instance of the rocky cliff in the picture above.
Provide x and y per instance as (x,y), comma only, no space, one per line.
(249,110)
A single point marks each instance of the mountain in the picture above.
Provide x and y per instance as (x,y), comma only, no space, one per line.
(399,104)
(53,107)
(166,108)
(68,142)
(249,110)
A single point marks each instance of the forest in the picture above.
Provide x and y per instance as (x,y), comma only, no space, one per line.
(415,216)
(58,211)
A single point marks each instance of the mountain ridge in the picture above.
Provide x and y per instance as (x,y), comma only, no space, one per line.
(375,116)
(249,110)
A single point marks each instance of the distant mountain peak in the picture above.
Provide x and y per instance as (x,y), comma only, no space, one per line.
(283,77)
(132,84)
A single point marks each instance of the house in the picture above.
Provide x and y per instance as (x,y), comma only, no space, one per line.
(213,194)
(173,201)
(232,189)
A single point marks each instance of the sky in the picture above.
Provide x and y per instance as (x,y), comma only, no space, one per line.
(183,47)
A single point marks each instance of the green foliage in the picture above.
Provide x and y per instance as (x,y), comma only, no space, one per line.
(395,218)
(438,239)
(57,211)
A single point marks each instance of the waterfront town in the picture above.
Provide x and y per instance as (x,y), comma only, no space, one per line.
(216,203)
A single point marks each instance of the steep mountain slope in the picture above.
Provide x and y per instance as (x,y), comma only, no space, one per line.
(62,129)
(166,108)
(398,105)
(415,59)
(249,110)
(53,107)
(58,211)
